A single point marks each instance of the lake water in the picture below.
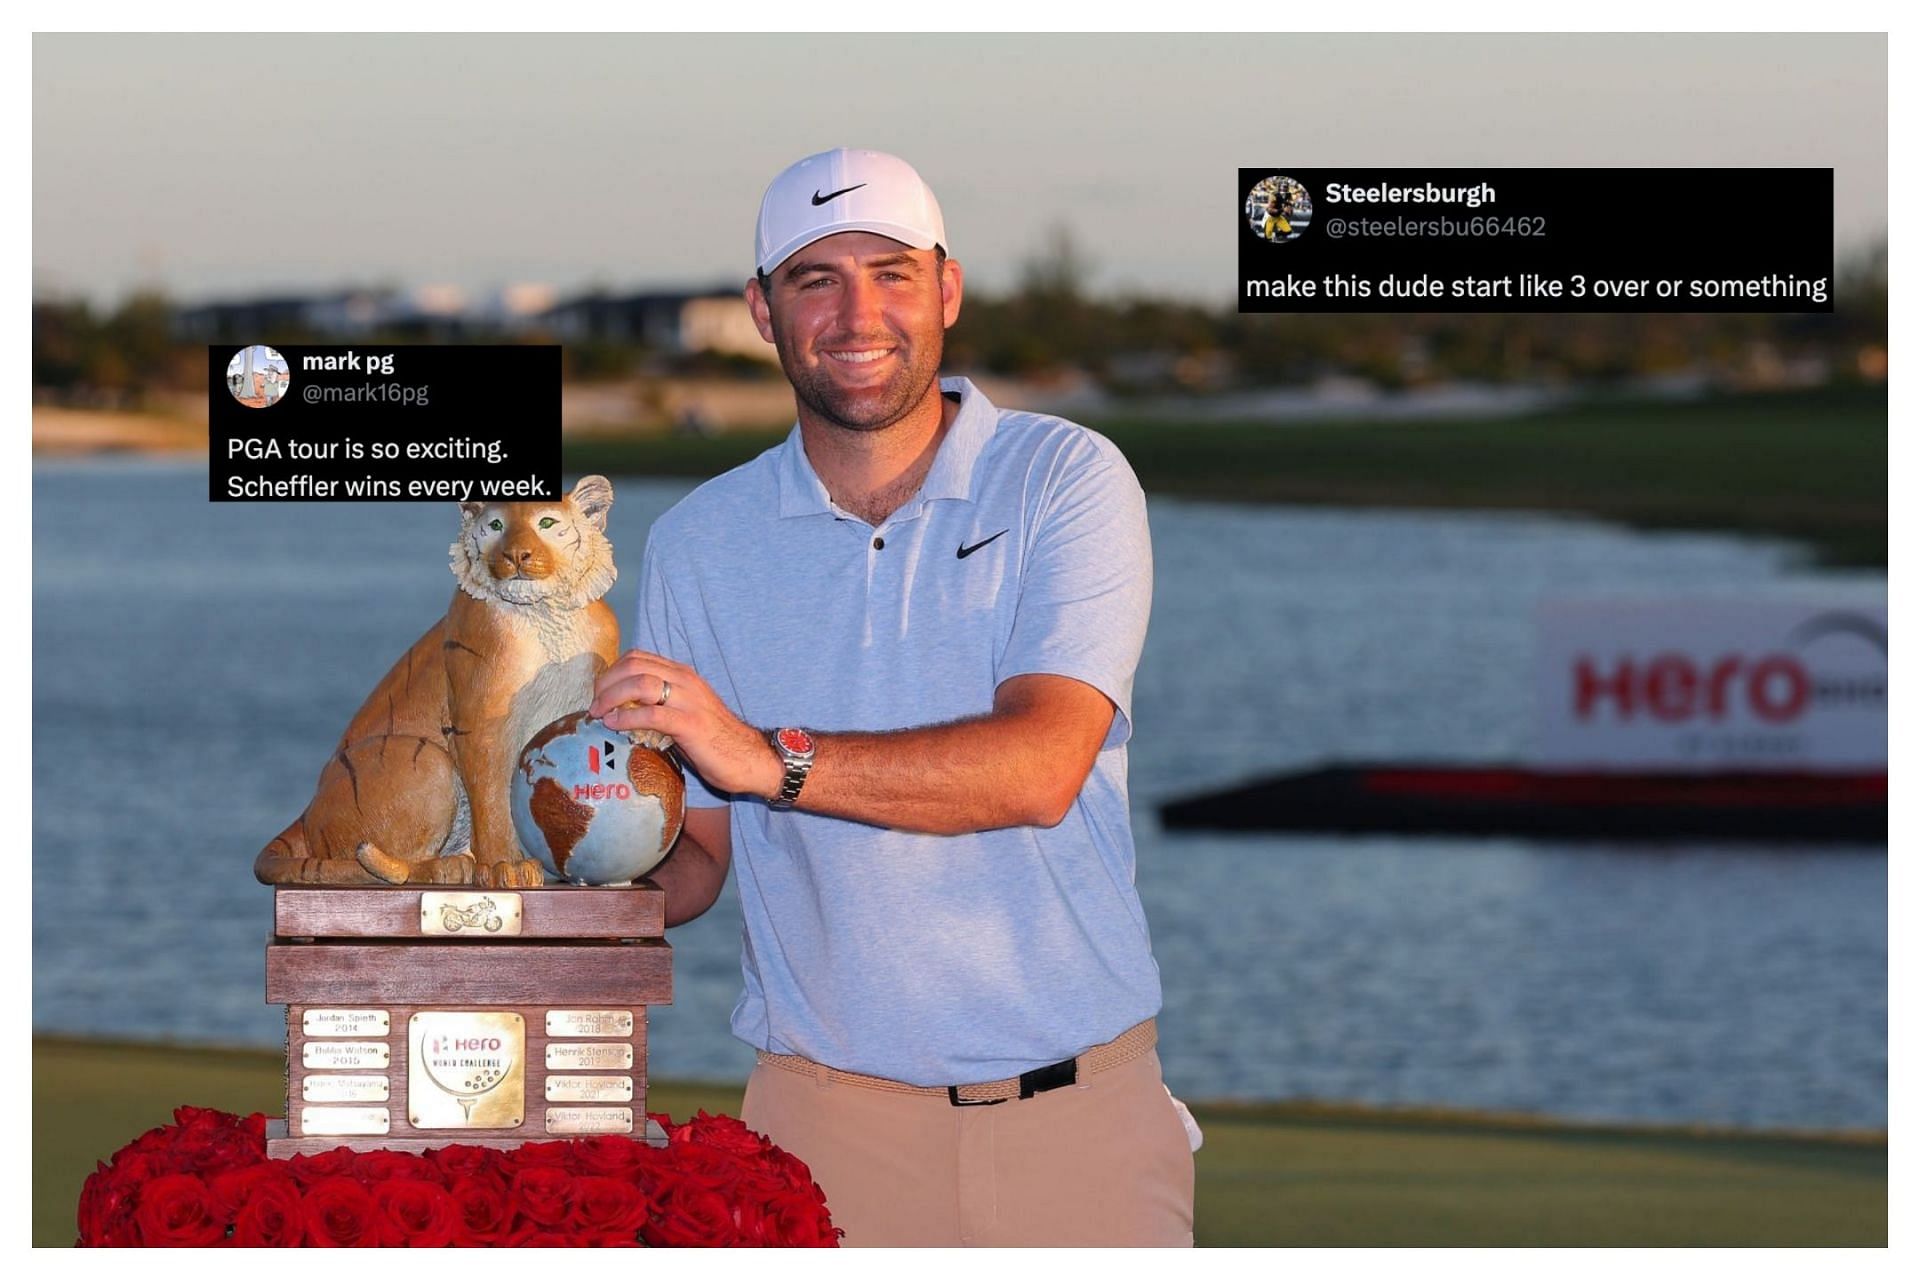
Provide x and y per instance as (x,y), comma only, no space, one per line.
(194,663)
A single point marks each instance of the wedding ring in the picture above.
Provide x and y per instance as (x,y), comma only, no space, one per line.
(666,691)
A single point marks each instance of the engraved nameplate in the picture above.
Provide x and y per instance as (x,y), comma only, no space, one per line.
(566,1056)
(589,1088)
(343,1120)
(343,1055)
(470,915)
(466,1070)
(589,1022)
(343,1088)
(589,1119)
(344,1022)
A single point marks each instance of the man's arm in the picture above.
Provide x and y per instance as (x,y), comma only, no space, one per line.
(1067,678)
(1020,765)
(695,871)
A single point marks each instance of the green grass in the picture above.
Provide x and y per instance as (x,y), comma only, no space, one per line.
(1276,1174)
(1810,466)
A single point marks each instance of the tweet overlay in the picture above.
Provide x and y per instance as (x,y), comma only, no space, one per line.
(1621,240)
(376,423)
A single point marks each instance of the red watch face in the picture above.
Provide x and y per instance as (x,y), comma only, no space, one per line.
(798,741)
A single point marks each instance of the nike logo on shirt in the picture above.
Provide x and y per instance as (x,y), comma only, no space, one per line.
(966,550)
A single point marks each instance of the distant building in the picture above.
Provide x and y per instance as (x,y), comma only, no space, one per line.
(683,323)
(348,314)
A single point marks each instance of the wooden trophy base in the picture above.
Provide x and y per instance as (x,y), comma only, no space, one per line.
(418,1018)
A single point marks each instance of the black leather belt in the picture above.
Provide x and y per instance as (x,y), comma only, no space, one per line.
(1038,1080)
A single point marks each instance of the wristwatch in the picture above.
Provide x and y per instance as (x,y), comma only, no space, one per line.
(795,749)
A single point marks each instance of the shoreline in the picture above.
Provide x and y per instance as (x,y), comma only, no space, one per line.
(1433,1117)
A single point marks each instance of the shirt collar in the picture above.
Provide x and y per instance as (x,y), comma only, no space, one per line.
(803,494)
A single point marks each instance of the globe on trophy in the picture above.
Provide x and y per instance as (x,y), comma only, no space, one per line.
(593,806)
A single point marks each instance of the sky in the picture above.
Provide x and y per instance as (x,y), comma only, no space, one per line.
(226,166)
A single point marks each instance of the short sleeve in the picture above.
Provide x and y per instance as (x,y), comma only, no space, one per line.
(1086,587)
(661,629)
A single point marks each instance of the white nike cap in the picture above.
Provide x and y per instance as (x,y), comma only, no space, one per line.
(843,190)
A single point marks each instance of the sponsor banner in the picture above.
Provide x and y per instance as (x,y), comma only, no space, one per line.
(1712,685)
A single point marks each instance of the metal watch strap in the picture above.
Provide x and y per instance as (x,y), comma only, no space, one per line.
(797,768)
(797,771)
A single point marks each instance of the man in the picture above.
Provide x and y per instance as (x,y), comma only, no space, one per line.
(1279,205)
(898,652)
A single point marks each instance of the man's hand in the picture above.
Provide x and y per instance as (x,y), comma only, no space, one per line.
(730,755)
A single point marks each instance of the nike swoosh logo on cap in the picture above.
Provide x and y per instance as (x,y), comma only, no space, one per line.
(819,199)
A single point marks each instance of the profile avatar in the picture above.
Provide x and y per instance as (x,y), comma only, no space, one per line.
(257,376)
(1279,209)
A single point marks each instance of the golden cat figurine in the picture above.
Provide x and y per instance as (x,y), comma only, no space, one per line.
(418,788)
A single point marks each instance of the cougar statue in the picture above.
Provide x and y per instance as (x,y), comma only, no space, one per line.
(418,789)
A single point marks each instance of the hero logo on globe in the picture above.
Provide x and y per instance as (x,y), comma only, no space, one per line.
(1719,684)
(597,758)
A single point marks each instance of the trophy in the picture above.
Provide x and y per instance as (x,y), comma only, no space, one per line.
(461,935)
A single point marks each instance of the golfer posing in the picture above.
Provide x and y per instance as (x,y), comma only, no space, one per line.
(898,651)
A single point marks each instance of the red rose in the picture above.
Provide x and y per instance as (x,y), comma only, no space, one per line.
(307,1170)
(106,1210)
(529,1154)
(233,1149)
(201,1118)
(754,1181)
(788,1168)
(691,1217)
(176,1211)
(543,1193)
(235,1187)
(340,1214)
(421,1213)
(274,1216)
(703,1166)
(607,1205)
(608,1240)
(461,1161)
(376,1167)
(117,1232)
(485,1211)
(610,1154)
(128,1172)
(724,1133)
(798,1220)
(535,1236)
(751,1226)
(152,1141)
(194,1148)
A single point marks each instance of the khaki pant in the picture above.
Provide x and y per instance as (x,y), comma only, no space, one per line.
(1104,1161)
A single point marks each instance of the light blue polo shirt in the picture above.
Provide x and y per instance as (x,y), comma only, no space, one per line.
(936,960)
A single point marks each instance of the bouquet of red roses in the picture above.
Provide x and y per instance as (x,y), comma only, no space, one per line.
(206,1180)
